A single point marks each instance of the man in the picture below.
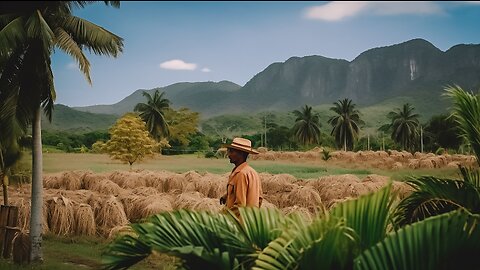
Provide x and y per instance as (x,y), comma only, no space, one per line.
(244,187)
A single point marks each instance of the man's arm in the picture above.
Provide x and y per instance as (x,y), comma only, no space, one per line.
(241,186)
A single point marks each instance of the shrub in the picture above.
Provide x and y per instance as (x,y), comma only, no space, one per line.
(440,151)
(210,154)
(326,155)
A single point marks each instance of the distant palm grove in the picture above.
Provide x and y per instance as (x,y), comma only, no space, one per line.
(343,129)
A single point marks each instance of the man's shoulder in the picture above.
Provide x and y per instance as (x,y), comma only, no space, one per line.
(248,169)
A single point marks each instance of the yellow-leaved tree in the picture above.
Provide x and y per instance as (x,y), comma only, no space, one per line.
(130,141)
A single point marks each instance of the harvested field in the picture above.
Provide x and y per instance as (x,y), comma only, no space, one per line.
(104,201)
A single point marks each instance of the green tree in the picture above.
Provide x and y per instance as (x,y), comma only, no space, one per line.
(307,126)
(182,123)
(129,140)
(346,124)
(153,113)
(442,131)
(404,126)
(29,33)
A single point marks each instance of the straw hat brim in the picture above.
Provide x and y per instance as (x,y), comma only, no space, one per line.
(244,149)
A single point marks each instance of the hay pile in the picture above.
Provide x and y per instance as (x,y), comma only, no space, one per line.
(304,196)
(84,220)
(109,215)
(61,220)
(21,248)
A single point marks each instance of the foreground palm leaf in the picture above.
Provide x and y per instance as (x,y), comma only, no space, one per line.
(466,112)
(434,196)
(448,241)
(326,243)
(367,216)
(202,240)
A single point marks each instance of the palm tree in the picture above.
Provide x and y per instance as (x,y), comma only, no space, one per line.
(404,126)
(307,125)
(153,114)
(28,35)
(433,196)
(346,123)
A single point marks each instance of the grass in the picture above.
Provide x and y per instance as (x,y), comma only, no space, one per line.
(61,253)
(302,169)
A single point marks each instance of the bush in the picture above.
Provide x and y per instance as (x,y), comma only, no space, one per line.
(326,155)
(440,151)
(210,154)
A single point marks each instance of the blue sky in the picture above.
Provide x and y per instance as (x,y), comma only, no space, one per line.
(170,42)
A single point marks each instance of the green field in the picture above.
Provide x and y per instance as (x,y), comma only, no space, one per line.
(302,169)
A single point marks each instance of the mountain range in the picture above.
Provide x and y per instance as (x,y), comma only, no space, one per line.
(415,70)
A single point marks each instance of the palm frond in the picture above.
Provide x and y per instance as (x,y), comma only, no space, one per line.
(326,243)
(367,215)
(93,37)
(65,42)
(466,111)
(434,196)
(471,176)
(448,241)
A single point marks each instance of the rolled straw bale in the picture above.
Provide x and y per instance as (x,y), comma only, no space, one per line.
(187,200)
(268,156)
(127,180)
(401,189)
(176,181)
(53,180)
(304,196)
(267,204)
(413,163)
(131,204)
(107,187)
(61,219)
(152,205)
(207,204)
(72,180)
(277,182)
(382,154)
(278,199)
(121,230)
(262,149)
(144,191)
(334,186)
(426,163)
(453,165)
(21,248)
(84,220)
(111,214)
(157,179)
(304,212)
(397,165)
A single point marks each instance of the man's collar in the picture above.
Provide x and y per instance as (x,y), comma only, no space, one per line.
(239,167)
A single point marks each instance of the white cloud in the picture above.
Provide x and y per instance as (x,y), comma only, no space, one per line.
(177,64)
(336,10)
(206,70)
(71,65)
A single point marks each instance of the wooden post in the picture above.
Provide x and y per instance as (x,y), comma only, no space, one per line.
(8,223)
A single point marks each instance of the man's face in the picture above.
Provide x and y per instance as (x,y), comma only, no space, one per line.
(234,155)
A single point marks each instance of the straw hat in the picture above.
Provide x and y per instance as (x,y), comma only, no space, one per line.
(242,145)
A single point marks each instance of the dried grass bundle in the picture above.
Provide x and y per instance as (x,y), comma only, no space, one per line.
(107,187)
(61,216)
(304,212)
(111,214)
(21,248)
(187,200)
(207,204)
(128,180)
(119,231)
(304,196)
(272,184)
(84,220)
(131,204)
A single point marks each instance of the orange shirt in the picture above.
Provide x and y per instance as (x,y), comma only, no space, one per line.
(243,188)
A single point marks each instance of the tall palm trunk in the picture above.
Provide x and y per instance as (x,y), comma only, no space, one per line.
(36,219)
(345,142)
